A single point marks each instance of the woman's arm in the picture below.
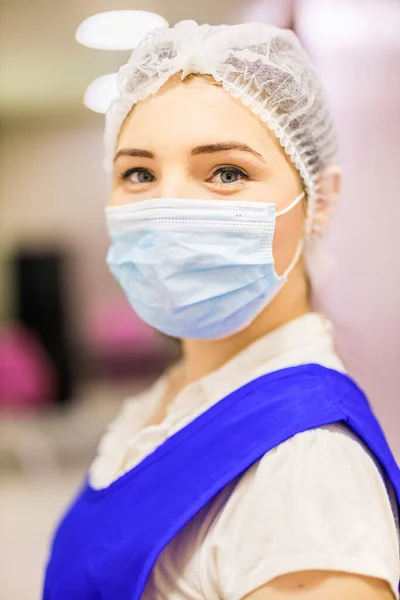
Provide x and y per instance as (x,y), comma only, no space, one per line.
(323,585)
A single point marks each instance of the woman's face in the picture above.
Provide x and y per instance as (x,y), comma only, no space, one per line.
(193,140)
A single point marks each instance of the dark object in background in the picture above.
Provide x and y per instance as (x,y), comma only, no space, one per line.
(41,306)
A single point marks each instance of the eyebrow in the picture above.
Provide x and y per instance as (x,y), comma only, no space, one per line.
(207,149)
(223,147)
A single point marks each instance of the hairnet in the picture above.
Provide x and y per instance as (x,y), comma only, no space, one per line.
(263,66)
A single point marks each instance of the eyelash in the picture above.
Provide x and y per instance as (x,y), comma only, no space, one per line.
(225,169)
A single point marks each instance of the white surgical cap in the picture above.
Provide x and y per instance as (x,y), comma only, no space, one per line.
(263,66)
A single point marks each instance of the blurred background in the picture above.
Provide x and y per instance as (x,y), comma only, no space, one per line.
(71,349)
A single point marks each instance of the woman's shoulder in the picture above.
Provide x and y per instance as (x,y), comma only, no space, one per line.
(316,460)
(323,463)
(316,501)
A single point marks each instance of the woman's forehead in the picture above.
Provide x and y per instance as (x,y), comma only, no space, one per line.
(193,113)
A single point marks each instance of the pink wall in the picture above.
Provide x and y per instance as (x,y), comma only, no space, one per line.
(356,46)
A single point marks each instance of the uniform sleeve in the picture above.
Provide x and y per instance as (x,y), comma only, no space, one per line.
(317,501)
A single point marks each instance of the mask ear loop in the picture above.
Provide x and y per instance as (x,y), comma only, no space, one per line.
(300,245)
(288,208)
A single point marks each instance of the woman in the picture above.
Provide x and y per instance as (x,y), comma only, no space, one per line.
(255,467)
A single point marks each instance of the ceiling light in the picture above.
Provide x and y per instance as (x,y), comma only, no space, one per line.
(349,23)
(118,29)
(101,92)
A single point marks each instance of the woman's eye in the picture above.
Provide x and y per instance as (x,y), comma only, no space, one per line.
(229,175)
(223,176)
(137,175)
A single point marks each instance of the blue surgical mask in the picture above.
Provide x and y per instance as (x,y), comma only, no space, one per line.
(200,269)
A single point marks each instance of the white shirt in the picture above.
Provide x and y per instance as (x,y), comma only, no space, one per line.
(316,501)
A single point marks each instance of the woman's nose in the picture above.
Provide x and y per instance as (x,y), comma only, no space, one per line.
(176,184)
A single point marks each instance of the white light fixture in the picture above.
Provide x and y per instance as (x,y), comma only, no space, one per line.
(117,29)
(101,92)
(349,23)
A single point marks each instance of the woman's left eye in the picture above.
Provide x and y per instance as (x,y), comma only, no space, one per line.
(229,175)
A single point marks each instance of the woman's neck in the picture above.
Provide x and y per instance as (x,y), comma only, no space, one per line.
(201,357)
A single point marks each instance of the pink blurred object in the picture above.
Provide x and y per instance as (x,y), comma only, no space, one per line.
(114,329)
(26,376)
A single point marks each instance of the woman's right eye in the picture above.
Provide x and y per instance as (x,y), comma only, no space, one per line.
(137,175)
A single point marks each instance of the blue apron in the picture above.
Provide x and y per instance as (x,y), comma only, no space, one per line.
(109,540)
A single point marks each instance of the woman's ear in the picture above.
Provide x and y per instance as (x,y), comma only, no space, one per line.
(328,189)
